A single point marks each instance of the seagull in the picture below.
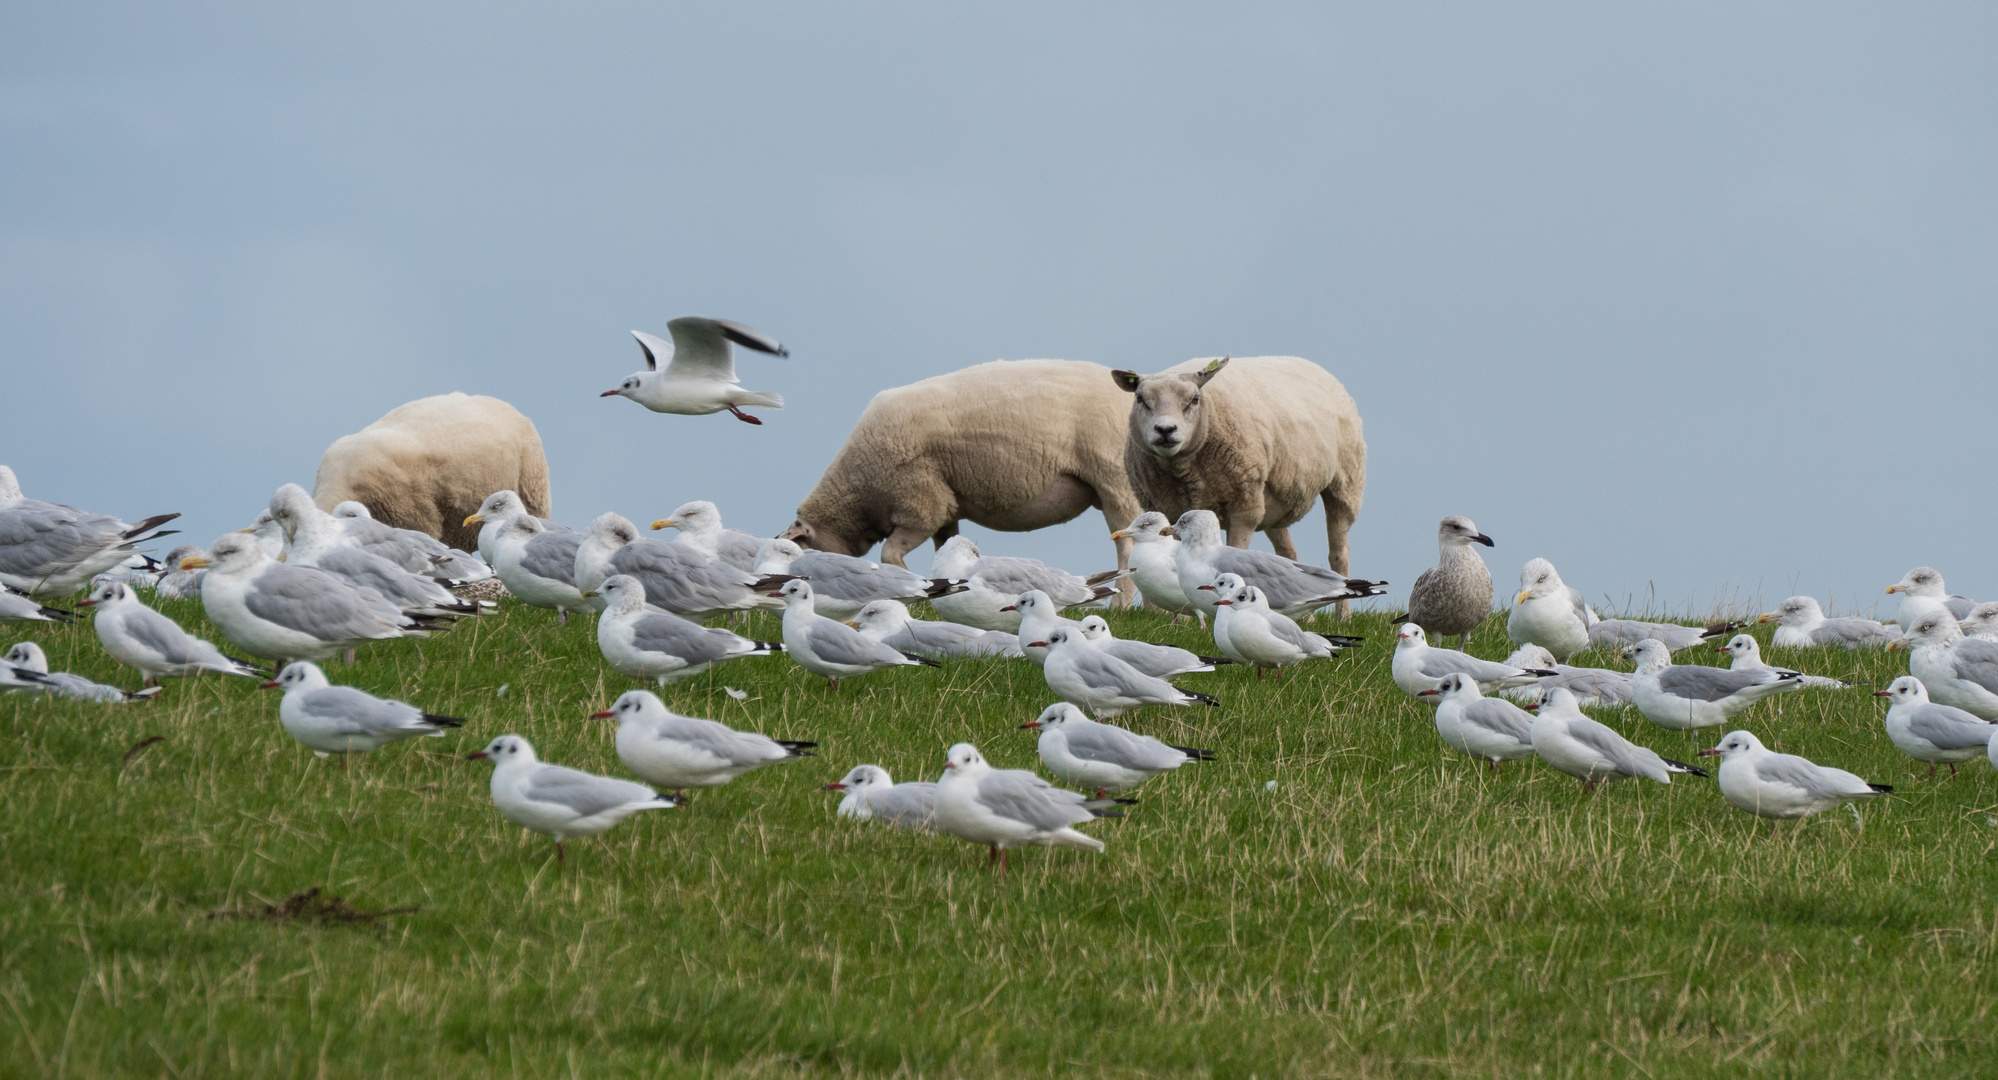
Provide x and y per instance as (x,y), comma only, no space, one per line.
(647,644)
(15,607)
(678,752)
(1982,622)
(1955,670)
(1592,687)
(700,370)
(1549,613)
(1292,587)
(1747,654)
(872,796)
(1164,661)
(1008,808)
(1489,728)
(677,578)
(1102,683)
(1455,595)
(1080,751)
(995,583)
(538,565)
(1780,786)
(558,801)
(329,720)
(268,533)
(48,549)
(1801,623)
(1687,696)
(700,526)
(1038,618)
(889,622)
(1922,591)
(143,639)
(284,612)
(1249,632)
(1155,564)
(1418,667)
(416,552)
(28,657)
(315,541)
(842,584)
(492,516)
(1930,732)
(1673,636)
(1590,752)
(830,648)
(173,582)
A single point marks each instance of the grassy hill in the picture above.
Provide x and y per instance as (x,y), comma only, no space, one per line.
(1338,895)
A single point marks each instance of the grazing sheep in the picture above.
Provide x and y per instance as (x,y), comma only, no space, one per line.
(1257,447)
(1011,445)
(427,465)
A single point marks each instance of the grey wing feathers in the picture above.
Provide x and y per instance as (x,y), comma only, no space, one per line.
(1977,661)
(672,635)
(317,603)
(583,793)
(912,805)
(1851,631)
(847,578)
(1012,575)
(1817,781)
(1024,797)
(1500,716)
(1119,747)
(1437,663)
(1630,759)
(357,712)
(1950,728)
(164,636)
(1100,670)
(725,743)
(839,644)
(552,556)
(1960,607)
(1709,683)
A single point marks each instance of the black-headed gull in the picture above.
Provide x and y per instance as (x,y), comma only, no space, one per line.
(1682,697)
(558,801)
(1620,632)
(1932,732)
(282,612)
(1590,752)
(1776,786)
(699,376)
(1746,655)
(340,720)
(700,526)
(842,584)
(152,644)
(1102,683)
(1548,612)
(831,648)
(48,549)
(647,644)
(677,578)
(1958,671)
(889,622)
(1491,729)
(1164,661)
(1922,591)
(871,795)
(1592,687)
(1039,617)
(314,540)
(1455,595)
(1155,564)
(1009,808)
(1083,752)
(1292,587)
(1417,666)
(1247,630)
(994,584)
(676,752)
(28,657)
(1801,623)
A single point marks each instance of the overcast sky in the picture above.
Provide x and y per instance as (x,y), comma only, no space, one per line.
(1699,299)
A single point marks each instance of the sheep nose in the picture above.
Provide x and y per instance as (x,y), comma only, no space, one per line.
(1165,429)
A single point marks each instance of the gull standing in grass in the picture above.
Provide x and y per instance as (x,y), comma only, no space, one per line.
(15,607)
(1592,687)
(1683,697)
(831,648)
(678,752)
(1488,728)
(1955,670)
(493,514)
(889,622)
(647,644)
(175,583)
(1417,666)
(1080,751)
(1039,617)
(1801,623)
(1102,683)
(1747,654)
(283,612)
(154,645)
(1982,622)
(1931,732)
(994,584)
(871,795)
(1155,565)
(28,656)
(1292,587)
(1922,591)
(558,801)
(1548,612)
(1249,632)
(538,565)
(314,540)
(842,584)
(700,526)
(699,377)
(1455,595)
(1008,808)
(1781,786)
(340,720)
(677,578)
(1590,752)
(48,549)
(1164,661)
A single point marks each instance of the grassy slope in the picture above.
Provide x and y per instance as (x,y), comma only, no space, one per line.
(1389,909)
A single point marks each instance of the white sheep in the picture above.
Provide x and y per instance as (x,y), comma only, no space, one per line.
(428,464)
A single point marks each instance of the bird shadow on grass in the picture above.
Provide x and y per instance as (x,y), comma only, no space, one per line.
(311,905)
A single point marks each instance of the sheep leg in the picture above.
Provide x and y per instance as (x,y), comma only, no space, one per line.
(1342,508)
(1281,541)
(902,541)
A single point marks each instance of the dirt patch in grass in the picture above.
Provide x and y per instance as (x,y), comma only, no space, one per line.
(311,906)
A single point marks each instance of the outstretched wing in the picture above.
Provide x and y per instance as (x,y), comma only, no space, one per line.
(701,347)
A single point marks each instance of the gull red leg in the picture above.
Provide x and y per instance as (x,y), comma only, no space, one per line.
(744,417)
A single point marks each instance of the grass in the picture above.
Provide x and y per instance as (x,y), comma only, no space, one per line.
(1386,909)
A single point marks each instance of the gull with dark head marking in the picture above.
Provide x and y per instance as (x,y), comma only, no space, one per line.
(1417,666)
(699,376)
(1592,687)
(1248,631)
(994,584)
(1922,591)
(1455,595)
(700,526)
(1164,661)
(831,648)
(342,720)
(1155,564)
(1292,587)
(842,584)
(1548,612)
(1039,617)
(1801,623)
(49,549)
(1776,786)
(1589,751)
(677,578)
(872,795)
(558,801)
(1687,696)
(29,666)
(890,623)
(1958,671)
(1009,808)
(647,644)
(1102,683)
(152,644)
(538,565)
(282,612)
(1932,732)
(1490,729)
(1080,751)
(676,752)
(1747,656)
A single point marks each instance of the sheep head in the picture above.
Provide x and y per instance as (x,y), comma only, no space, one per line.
(1167,418)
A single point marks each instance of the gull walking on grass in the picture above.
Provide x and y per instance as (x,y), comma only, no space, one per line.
(1102,683)
(1548,612)
(1009,808)
(871,795)
(678,752)
(340,720)
(558,801)
(1080,751)
(1455,595)
(1776,786)
(1747,656)
(1931,732)
(1490,729)
(1164,661)
(1590,752)
(283,612)
(699,376)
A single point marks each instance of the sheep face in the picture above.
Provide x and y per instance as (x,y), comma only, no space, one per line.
(812,537)
(1166,414)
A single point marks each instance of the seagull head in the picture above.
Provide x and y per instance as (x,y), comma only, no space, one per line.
(1530,655)
(795,592)
(623,594)
(1198,528)
(1537,579)
(505,750)
(1982,619)
(1459,531)
(1559,701)
(28,655)
(1410,636)
(1921,581)
(1095,629)
(1734,742)
(1033,600)
(1906,690)
(1649,654)
(1796,611)
(351,509)
(693,519)
(500,504)
(1741,647)
(1055,715)
(634,705)
(1936,628)
(1060,635)
(964,760)
(881,615)
(299,675)
(1453,685)
(862,777)
(106,594)
(233,553)
(1148,527)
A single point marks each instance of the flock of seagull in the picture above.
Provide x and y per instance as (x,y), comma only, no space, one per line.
(302,585)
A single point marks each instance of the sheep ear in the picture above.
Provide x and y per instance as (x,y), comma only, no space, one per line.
(1127,380)
(1200,378)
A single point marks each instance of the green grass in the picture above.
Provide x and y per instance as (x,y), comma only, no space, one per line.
(1389,909)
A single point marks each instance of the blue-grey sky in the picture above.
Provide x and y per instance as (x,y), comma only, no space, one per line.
(1688,297)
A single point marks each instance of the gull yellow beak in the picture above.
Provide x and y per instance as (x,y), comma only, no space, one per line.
(855,623)
(473,519)
(1521,598)
(664,523)
(246,532)
(590,594)
(1168,531)
(1120,534)
(194,562)
(1894,646)
(1765,617)
(1892,589)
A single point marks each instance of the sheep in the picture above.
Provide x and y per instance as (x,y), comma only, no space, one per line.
(1257,447)
(428,464)
(1011,445)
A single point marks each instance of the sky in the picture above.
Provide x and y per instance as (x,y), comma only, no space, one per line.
(1695,300)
